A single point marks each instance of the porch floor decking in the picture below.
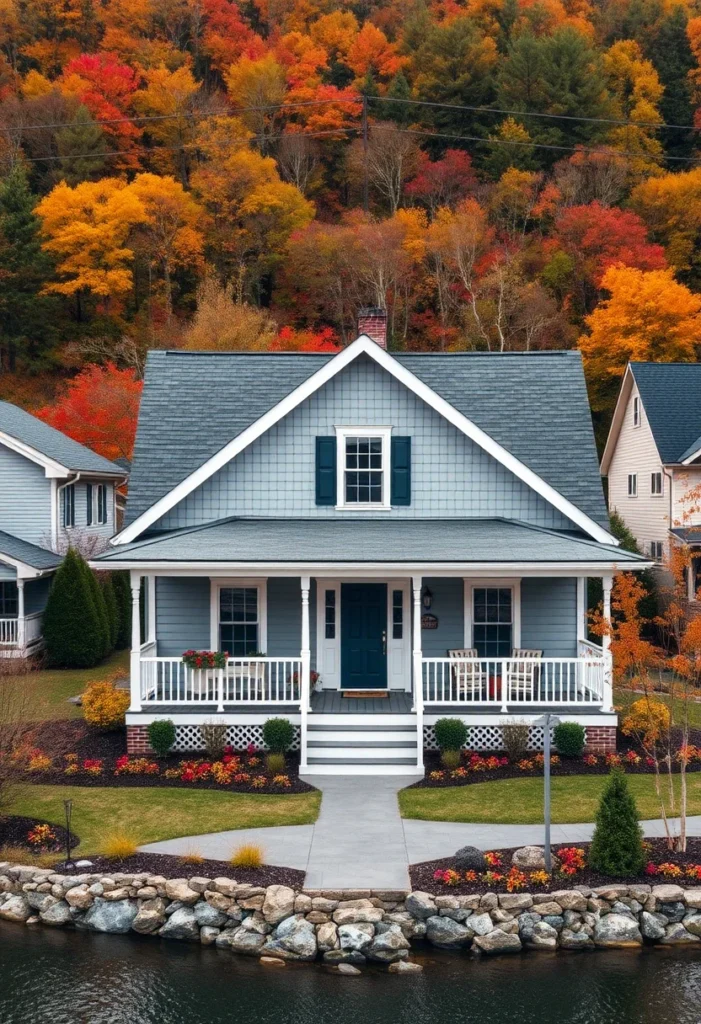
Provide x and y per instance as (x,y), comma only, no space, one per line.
(332,702)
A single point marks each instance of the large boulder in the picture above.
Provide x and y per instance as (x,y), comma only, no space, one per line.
(480,923)
(56,915)
(351,915)
(388,946)
(543,936)
(469,858)
(181,925)
(530,858)
(326,936)
(652,926)
(692,923)
(207,916)
(617,931)
(575,940)
(677,935)
(16,909)
(674,912)
(420,905)
(150,917)
(178,889)
(79,897)
(446,933)
(355,937)
(40,900)
(113,918)
(497,941)
(278,904)
(242,941)
(293,939)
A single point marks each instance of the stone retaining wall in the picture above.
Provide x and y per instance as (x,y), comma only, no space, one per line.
(350,926)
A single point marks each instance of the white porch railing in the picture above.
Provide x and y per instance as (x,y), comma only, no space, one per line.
(8,631)
(247,681)
(32,628)
(514,682)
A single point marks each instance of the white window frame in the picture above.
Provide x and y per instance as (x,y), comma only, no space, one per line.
(385,434)
(636,411)
(218,584)
(514,585)
(69,488)
(653,478)
(657,550)
(97,490)
(632,485)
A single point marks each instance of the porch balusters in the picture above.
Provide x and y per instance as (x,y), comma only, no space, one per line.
(305,683)
(135,662)
(607,704)
(418,708)
(20,616)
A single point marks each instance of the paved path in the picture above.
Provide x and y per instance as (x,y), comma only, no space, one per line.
(360,841)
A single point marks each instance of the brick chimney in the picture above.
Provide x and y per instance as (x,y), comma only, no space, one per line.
(373,321)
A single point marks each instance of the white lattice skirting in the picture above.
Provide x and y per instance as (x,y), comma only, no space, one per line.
(188,738)
(487,737)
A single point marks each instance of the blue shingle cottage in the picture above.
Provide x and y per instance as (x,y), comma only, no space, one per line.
(375,541)
(53,492)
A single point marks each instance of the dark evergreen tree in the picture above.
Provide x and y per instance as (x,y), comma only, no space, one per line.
(81,146)
(122,593)
(671,54)
(100,608)
(617,845)
(26,316)
(110,607)
(73,631)
(401,113)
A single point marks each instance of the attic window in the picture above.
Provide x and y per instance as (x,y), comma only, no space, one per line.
(636,411)
(363,467)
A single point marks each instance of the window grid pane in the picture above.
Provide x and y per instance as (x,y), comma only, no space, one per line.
(330,615)
(363,471)
(238,620)
(492,621)
(397,614)
(8,600)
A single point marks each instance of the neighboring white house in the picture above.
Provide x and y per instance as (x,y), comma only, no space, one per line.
(407,536)
(653,457)
(53,492)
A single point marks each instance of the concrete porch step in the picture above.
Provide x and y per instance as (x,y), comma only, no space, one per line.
(358,751)
(344,737)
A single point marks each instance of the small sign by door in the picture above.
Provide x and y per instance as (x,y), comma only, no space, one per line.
(429,622)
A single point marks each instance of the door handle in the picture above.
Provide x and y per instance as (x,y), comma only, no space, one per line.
(384,641)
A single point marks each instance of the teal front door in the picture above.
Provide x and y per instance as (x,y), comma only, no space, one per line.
(363,636)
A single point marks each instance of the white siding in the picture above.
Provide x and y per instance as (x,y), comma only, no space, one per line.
(647,516)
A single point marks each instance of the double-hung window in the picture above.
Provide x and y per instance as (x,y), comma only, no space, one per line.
(96,504)
(102,504)
(363,467)
(636,411)
(632,485)
(68,506)
(656,484)
(656,550)
(9,606)
(239,621)
(493,621)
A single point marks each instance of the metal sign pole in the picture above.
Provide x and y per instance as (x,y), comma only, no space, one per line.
(546,794)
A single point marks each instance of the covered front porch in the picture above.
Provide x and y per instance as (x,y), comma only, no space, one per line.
(25,578)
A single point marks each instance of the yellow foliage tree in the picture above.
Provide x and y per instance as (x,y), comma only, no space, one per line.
(169,95)
(671,207)
(648,316)
(87,229)
(636,92)
(257,84)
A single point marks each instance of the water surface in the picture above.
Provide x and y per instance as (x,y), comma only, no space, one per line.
(56,977)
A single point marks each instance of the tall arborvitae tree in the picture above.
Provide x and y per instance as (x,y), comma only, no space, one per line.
(617,844)
(26,316)
(81,146)
(110,607)
(100,608)
(122,593)
(73,630)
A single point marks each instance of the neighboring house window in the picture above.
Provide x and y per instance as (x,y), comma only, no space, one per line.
(239,624)
(492,621)
(656,484)
(68,506)
(330,615)
(8,600)
(397,614)
(102,504)
(363,461)
(656,550)
(636,411)
(96,504)
(89,498)
(632,485)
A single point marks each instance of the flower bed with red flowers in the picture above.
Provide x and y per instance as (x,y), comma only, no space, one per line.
(486,767)
(570,868)
(33,835)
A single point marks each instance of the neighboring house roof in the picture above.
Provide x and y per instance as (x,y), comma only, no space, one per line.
(687,534)
(52,444)
(370,540)
(533,405)
(28,554)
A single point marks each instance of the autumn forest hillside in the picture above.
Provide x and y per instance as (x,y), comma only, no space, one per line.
(213,174)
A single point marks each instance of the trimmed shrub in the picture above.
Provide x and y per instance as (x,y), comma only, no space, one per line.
(648,720)
(515,739)
(450,758)
(122,593)
(248,856)
(104,706)
(110,600)
(161,736)
(73,631)
(451,733)
(570,738)
(100,607)
(214,739)
(278,735)
(275,762)
(617,845)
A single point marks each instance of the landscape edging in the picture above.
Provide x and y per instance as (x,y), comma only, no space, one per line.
(349,925)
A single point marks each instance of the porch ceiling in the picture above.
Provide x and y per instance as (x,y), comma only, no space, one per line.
(377,540)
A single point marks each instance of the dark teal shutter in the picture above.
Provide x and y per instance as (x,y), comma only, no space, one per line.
(326,470)
(88,498)
(401,471)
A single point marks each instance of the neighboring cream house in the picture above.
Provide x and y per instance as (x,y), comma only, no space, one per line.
(653,457)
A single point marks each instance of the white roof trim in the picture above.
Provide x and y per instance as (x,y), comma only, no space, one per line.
(51,467)
(376,570)
(362,345)
(24,570)
(617,421)
(694,455)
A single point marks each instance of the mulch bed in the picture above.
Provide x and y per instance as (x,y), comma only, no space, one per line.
(14,830)
(174,867)
(422,874)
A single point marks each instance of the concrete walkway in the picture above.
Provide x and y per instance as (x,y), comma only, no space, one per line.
(360,841)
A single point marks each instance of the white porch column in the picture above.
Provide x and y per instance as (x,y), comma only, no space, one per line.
(306,654)
(151,609)
(21,633)
(135,665)
(691,578)
(417,655)
(607,703)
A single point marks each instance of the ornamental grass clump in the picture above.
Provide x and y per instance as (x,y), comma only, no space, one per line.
(247,856)
(119,847)
(617,845)
(275,762)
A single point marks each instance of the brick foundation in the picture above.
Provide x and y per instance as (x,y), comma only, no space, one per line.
(137,740)
(601,739)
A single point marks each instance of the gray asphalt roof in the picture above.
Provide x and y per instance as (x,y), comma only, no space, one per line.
(688,534)
(368,540)
(534,404)
(50,442)
(671,394)
(30,554)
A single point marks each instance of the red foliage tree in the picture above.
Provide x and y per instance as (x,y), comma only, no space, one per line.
(290,340)
(105,86)
(98,408)
(442,182)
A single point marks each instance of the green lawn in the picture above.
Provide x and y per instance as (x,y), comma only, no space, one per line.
(624,698)
(520,801)
(147,815)
(49,689)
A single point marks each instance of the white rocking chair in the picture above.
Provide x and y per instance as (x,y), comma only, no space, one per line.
(469,676)
(523,677)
